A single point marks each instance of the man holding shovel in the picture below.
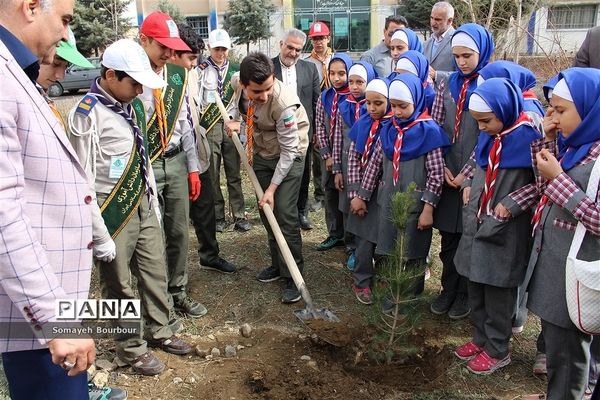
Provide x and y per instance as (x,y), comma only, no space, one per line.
(277,139)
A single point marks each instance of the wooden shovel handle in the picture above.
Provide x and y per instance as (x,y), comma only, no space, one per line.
(281,242)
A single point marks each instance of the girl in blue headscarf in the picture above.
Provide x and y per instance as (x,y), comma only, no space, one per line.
(409,149)
(417,64)
(549,127)
(494,250)
(328,132)
(523,78)
(403,40)
(359,76)
(472,47)
(363,138)
(564,205)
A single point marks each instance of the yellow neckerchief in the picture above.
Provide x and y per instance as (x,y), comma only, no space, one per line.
(159,108)
(325,83)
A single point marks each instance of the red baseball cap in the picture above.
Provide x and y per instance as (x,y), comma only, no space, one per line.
(160,27)
(318,29)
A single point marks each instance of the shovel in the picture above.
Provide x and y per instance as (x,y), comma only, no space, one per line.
(310,312)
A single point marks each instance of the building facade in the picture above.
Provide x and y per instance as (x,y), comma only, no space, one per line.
(560,26)
(355,25)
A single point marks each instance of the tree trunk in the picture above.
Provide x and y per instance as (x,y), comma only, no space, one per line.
(518,28)
(247,48)
(488,22)
(471,11)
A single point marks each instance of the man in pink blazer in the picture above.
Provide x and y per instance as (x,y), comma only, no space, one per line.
(45,214)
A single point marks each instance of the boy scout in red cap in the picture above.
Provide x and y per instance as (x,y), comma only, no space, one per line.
(172,151)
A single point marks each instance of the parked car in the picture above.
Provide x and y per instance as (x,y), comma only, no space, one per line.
(76,78)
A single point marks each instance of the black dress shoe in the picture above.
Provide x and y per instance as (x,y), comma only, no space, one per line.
(305,222)
(242,225)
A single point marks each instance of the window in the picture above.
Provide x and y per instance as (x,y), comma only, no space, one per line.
(572,17)
(200,25)
(348,21)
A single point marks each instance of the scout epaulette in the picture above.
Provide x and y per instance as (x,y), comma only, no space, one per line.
(86,104)
(203,65)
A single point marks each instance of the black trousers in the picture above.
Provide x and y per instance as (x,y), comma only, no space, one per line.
(303,194)
(202,214)
(594,370)
(451,280)
(492,310)
(567,361)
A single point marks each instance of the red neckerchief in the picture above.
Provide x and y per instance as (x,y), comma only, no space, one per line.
(493,166)
(398,143)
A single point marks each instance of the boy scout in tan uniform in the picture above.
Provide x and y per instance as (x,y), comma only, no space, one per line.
(215,74)
(109,136)
(277,139)
(173,154)
(202,211)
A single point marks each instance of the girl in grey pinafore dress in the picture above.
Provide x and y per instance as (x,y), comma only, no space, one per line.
(495,244)
(326,117)
(457,87)
(409,150)
(563,205)
(361,73)
(363,138)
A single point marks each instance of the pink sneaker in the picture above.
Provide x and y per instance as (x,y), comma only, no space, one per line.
(467,351)
(483,364)
(363,295)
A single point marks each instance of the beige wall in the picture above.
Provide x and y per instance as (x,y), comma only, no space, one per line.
(190,7)
(282,18)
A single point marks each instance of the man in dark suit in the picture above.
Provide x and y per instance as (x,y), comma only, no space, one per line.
(589,52)
(438,49)
(304,77)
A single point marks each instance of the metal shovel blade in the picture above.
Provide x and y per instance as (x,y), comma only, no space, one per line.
(322,313)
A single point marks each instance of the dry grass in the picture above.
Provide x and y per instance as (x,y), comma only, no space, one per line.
(233,299)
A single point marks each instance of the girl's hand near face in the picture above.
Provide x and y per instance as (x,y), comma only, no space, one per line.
(548,165)
(550,129)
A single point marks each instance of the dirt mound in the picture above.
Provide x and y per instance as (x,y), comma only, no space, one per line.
(346,372)
(336,333)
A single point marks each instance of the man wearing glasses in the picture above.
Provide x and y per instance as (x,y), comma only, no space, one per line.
(320,56)
(303,77)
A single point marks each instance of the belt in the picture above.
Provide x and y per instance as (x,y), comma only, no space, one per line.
(173,152)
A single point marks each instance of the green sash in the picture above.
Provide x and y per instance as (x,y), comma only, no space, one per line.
(128,193)
(212,115)
(173,96)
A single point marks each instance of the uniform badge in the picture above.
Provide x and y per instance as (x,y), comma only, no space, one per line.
(86,104)
(288,122)
(176,78)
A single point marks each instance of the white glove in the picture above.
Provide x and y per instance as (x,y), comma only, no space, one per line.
(105,252)
(156,206)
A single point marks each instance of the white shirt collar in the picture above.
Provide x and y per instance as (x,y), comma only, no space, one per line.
(439,38)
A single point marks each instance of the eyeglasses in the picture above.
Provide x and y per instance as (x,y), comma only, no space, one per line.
(318,38)
(292,48)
